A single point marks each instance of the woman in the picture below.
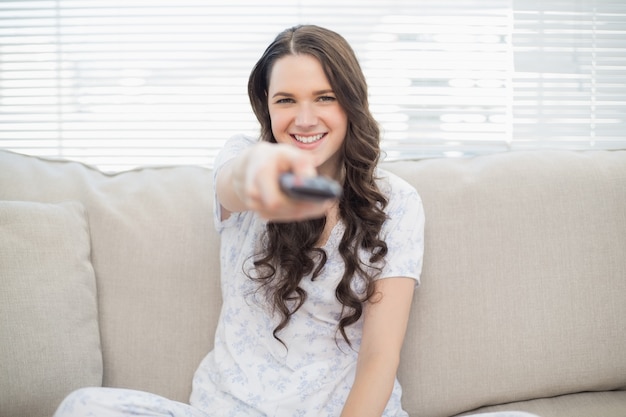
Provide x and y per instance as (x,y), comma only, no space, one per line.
(316,295)
(324,322)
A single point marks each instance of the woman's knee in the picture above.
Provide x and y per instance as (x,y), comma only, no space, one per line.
(118,402)
(72,403)
(99,401)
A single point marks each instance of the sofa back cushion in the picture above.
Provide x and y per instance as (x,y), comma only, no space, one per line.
(524,280)
(156,259)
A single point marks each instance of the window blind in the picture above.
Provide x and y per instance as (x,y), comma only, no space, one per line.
(119,84)
(569,79)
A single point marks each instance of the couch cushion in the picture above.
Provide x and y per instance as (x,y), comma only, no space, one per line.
(50,343)
(155,253)
(523,287)
(584,404)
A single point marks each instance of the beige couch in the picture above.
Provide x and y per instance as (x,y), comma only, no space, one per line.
(113,280)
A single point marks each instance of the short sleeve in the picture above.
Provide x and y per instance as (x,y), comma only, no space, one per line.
(233,147)
(403,231)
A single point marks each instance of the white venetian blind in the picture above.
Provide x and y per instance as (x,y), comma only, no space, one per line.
(124,83)
(569,83)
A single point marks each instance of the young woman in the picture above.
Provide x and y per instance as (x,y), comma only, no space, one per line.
(316,295)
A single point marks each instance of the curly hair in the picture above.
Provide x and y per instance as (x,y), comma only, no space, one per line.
(289,252)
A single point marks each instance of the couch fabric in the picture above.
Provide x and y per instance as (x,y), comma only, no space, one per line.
(522,303)
(48,312)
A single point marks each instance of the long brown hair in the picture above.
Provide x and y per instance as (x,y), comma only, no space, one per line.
(289,252)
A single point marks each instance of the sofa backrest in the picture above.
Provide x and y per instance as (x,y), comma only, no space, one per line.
(522,291)
(156,260)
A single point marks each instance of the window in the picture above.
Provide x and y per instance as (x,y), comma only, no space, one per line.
(123,83)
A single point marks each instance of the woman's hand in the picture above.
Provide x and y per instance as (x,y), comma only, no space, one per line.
(251,182)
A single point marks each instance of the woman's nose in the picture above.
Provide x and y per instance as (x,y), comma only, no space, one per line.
(306,116)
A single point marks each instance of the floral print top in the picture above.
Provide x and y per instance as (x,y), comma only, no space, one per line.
(249,372)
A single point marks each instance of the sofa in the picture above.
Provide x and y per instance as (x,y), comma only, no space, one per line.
(112,279)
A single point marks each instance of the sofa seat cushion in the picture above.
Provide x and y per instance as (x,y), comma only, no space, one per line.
(50,343)
(585,404)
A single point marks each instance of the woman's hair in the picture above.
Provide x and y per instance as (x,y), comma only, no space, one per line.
(289,252)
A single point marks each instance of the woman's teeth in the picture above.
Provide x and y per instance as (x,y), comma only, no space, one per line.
(308,139)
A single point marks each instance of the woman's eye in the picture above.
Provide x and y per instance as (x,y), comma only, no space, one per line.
(284,100)
(327,98)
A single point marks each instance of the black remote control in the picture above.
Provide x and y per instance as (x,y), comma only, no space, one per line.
(310,188)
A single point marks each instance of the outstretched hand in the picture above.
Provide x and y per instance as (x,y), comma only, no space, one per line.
(255,182)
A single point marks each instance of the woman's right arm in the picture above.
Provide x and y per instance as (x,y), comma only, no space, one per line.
(250,181)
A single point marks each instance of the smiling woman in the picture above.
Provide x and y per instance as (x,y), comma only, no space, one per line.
(122,83)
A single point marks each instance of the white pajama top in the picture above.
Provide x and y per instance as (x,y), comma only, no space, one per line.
(250,373)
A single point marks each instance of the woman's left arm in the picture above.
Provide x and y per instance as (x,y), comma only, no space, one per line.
(384,326)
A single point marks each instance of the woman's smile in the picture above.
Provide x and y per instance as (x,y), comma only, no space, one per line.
(308,139)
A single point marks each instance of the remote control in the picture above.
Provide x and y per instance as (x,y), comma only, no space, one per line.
(312,189)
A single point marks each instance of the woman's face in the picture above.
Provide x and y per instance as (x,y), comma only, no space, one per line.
(305,112)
